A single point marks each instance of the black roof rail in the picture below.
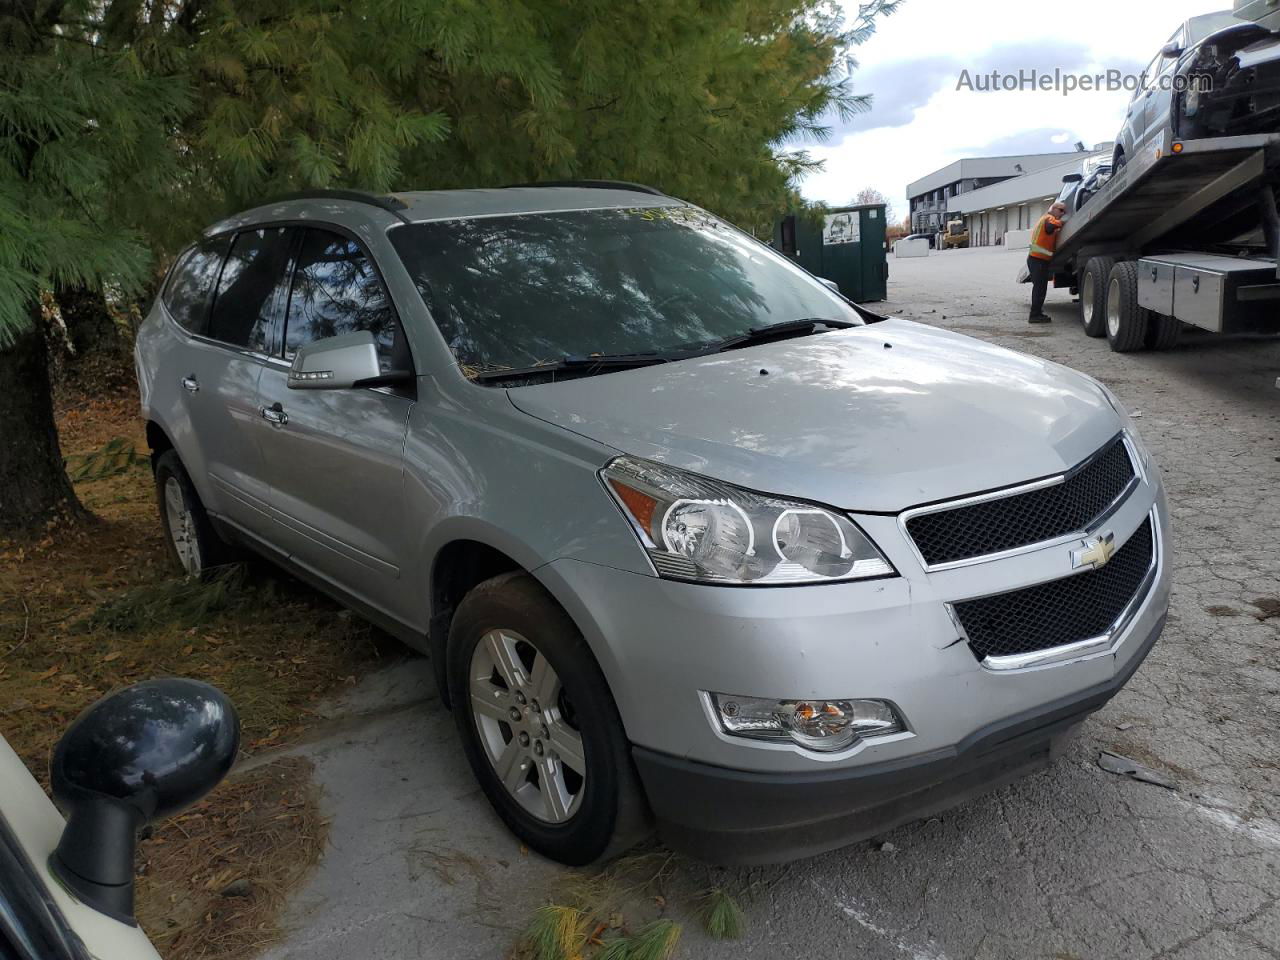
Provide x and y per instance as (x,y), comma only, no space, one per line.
(595,185)
(381,200)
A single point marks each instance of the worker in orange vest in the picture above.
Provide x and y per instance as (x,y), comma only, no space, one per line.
(1044,241)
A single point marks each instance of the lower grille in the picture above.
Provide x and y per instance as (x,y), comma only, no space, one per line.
(1075,608)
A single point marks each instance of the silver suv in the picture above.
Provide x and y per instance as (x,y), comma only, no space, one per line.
(686,534)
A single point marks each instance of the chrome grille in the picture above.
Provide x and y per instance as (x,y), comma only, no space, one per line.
(1086,493)
(1076,608)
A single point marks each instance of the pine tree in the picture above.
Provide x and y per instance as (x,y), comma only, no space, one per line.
(126,126)
(80,126)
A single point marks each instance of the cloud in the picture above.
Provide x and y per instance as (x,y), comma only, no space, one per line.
(900,88)
(1039,140)
(897,91)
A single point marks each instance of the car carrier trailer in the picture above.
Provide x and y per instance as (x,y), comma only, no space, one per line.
(1185,232)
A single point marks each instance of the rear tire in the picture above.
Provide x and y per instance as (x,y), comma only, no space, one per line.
(1093,295)
(192,543)
(531,706)
(1164,332)
(1127,323)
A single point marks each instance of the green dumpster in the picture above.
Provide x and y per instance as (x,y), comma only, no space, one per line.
(844,245)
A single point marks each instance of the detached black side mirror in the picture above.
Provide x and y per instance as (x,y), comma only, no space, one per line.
(138,755)
(1073,178)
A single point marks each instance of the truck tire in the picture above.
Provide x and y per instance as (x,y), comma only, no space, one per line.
(1093,295)
(1164,332)
(1127,323)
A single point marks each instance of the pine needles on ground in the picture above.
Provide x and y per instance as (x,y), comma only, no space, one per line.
(557,932)
(722,916)
(654,941)
(184,602)
(113,458)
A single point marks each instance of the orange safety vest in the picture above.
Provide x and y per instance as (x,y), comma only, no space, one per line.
(1044,244)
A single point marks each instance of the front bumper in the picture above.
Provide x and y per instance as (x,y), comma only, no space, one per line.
(663,645)
(737,817)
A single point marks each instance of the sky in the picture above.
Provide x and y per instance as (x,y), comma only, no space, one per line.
(920,121)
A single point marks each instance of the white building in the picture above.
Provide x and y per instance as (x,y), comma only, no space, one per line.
(1016,204)
(928,197)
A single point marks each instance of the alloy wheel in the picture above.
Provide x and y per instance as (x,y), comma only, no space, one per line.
(527,726)
(182,527)
(1086,296)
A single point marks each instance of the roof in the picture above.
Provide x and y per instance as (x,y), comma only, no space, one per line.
(1046,182)
(453,204)
(981,167)
(419,206)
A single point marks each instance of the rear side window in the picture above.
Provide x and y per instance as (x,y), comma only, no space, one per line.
(251,282)
(186,295)
(335,291)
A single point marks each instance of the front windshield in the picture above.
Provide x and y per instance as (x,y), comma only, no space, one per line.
(520,291)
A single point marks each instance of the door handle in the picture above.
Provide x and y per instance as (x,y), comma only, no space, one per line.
(274,414)
(190,384)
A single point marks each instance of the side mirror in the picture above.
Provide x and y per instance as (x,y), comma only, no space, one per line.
(1073,178)
(1170,50)
(138,755)
(336,363)
(829,284)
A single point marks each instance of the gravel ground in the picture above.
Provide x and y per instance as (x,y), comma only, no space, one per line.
(1073,863)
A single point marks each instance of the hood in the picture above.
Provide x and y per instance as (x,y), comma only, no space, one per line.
(872,419)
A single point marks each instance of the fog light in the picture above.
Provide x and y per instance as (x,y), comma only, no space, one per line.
(823,725)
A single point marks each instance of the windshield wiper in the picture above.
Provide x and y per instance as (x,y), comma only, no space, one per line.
(584,364)
(780,331)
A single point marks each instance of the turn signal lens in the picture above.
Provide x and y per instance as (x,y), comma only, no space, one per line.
(822,725)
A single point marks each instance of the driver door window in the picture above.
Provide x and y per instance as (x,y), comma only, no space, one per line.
(335,291)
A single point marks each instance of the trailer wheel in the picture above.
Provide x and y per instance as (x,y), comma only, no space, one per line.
(1093,295)
(1127,323)
(1164,332)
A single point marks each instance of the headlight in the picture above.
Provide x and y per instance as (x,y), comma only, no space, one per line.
(695,528)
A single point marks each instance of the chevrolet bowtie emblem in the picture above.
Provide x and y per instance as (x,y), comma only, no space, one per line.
(1095,553)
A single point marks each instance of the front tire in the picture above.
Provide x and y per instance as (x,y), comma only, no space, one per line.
(193,545)
(538,723)
(1127,323)
(1093,295)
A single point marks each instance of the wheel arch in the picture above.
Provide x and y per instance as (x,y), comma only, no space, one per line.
(470,557)
(460,564)
(157,440)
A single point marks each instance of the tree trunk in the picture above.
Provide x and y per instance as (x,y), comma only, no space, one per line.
(102,358)
(34,488)
(89,325)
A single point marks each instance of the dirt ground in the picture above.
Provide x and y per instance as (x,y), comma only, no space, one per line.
(89,608)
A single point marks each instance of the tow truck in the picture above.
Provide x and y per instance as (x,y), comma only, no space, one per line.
(1187,232)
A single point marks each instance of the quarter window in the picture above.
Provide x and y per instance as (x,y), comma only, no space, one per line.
(251,281)
(336,291)
(186,295)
